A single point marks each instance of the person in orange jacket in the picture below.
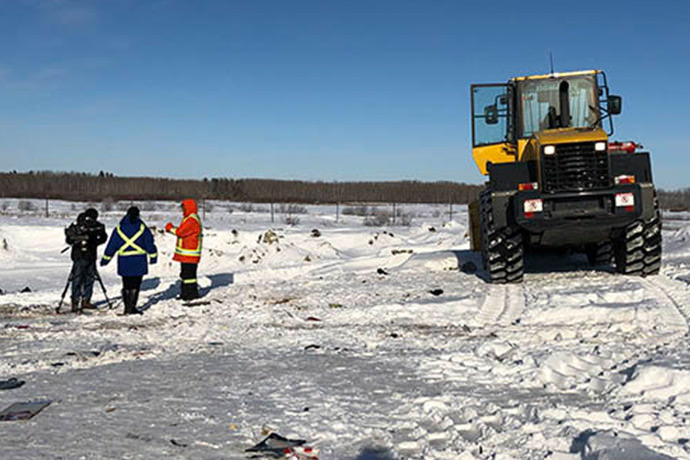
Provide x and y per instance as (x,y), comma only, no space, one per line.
(188,248)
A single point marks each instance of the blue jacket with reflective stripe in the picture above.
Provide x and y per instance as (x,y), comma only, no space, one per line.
(131,261)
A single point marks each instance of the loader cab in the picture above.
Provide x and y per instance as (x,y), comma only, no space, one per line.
(505,117)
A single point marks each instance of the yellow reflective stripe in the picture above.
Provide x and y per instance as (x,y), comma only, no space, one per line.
(130,242)
(190,252)
(107,257)
(193,216)
(189,281)
(179,245)
(154,255)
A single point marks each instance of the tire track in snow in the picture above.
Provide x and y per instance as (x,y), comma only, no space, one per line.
(502,306)
(674,294)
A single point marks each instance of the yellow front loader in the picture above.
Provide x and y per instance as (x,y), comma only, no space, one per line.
(555,179)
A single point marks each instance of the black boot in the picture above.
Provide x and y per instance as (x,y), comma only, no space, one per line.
(189,291)
(127,300)
(76,306)
(130,297)
(135,299)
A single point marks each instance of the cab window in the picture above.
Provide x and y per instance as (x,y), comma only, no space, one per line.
(558,103)
(491,120)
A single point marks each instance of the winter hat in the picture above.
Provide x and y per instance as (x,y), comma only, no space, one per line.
(91,213)
(133,213)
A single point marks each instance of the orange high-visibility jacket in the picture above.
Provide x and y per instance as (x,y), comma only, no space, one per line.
(189,236)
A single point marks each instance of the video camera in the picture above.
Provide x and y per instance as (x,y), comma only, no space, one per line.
(80,232)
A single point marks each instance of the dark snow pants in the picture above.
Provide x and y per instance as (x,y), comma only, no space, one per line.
(189,289)
(131,282)
(83,276)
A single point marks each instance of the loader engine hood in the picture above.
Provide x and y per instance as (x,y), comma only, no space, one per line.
(569,135)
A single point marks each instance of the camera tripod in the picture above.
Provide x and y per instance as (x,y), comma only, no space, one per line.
(70,279)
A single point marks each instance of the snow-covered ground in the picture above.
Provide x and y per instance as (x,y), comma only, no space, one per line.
(306,335)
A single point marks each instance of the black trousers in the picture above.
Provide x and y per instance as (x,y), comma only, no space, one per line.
(131,282)
(189,289)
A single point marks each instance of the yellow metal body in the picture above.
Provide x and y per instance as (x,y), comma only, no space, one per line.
(494,153)
(526,149)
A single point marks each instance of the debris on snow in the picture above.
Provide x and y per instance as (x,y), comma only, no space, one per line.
(11,384)
(269,237)
(23,410)
(178,443)
(281,447)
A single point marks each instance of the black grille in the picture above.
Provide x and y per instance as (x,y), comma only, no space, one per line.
(575,167)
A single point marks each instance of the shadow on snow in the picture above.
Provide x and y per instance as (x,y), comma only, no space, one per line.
(540,261)
(218,280)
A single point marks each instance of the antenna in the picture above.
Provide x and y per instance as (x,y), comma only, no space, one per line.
(551,59)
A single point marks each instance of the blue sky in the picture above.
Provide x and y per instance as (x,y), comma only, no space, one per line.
(315,90)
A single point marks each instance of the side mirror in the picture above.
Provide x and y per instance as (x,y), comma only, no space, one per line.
(615,104)
(491,114)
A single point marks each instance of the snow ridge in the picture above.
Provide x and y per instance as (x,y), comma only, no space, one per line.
(502,306)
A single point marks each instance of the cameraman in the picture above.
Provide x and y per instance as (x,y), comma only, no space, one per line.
(84,236)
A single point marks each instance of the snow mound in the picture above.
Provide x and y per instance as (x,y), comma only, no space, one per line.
(657,383)
(435,261)
(566,370)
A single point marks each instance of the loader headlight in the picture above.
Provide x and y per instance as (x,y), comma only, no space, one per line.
(600,146)
(549,149)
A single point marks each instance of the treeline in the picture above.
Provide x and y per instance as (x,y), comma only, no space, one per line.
(677,200)
(105,186)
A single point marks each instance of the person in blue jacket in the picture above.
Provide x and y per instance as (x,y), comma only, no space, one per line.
(132,241)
